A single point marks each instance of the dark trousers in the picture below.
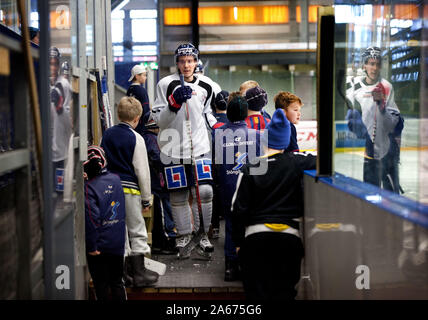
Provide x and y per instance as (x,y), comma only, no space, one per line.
(270,264)
(229,245)
(107,272)
(163,224)
(382,173)
(218,209)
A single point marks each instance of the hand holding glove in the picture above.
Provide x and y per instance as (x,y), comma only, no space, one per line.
(180,95)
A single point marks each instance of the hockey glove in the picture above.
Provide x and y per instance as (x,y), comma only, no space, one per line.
(355,123)
(178,97)
(57,98)
(378,94)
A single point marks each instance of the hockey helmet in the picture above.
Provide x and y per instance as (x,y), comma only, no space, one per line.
(199,67)
(186,49)
(65,68)
(54,54)
(371,52)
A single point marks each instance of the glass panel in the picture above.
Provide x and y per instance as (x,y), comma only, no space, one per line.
(144,30)
(377,106)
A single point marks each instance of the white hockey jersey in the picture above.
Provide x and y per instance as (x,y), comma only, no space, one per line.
(379,124)
(61,123)
(173,138)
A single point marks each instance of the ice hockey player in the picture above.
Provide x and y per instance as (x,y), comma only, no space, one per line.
(376,118)
(179,141)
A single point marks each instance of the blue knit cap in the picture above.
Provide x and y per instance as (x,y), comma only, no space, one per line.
(277,133)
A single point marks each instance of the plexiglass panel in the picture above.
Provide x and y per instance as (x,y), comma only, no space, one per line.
(378,107)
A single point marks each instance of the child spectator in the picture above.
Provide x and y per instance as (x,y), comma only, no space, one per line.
(257,99)
(248,85)
(218,210)
(264,212)
(104,226)
(163,233)
(241,143)
(136,89)
(291,104)
(127,156)
(221,106)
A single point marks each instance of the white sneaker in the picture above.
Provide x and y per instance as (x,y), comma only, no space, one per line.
(205,244)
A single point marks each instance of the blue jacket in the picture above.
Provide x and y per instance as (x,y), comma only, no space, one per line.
(105,214)
(221,117)
(139,92)
(156,166)
(293,146)
(242,143)
(126,156)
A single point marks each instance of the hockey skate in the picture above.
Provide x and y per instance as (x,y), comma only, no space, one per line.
(181,243)
(205,248)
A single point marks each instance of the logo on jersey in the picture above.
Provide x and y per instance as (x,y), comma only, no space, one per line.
(240,160)
(114,205)
(203,169)
(59,175)
(175,177)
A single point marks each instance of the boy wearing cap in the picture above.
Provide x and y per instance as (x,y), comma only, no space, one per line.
(136,89)
(264,212)
(221,106)
(257,99)
(291,104)
(233,145)
(104,226)
(218,209)
(127,156)
(248,85)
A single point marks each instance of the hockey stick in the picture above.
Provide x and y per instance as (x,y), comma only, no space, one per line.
(187,249)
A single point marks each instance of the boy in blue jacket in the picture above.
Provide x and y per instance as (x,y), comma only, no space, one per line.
(234,144)
(104,226)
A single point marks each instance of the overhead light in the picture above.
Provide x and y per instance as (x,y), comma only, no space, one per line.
(121,5)
(235,13)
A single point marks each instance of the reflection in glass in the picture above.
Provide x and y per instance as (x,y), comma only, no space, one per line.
(377,127)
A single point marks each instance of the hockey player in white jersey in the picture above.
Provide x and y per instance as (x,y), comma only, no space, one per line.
(169,112)
(61,123)
(375,117)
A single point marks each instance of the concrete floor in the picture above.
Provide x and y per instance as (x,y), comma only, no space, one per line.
(196,272)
